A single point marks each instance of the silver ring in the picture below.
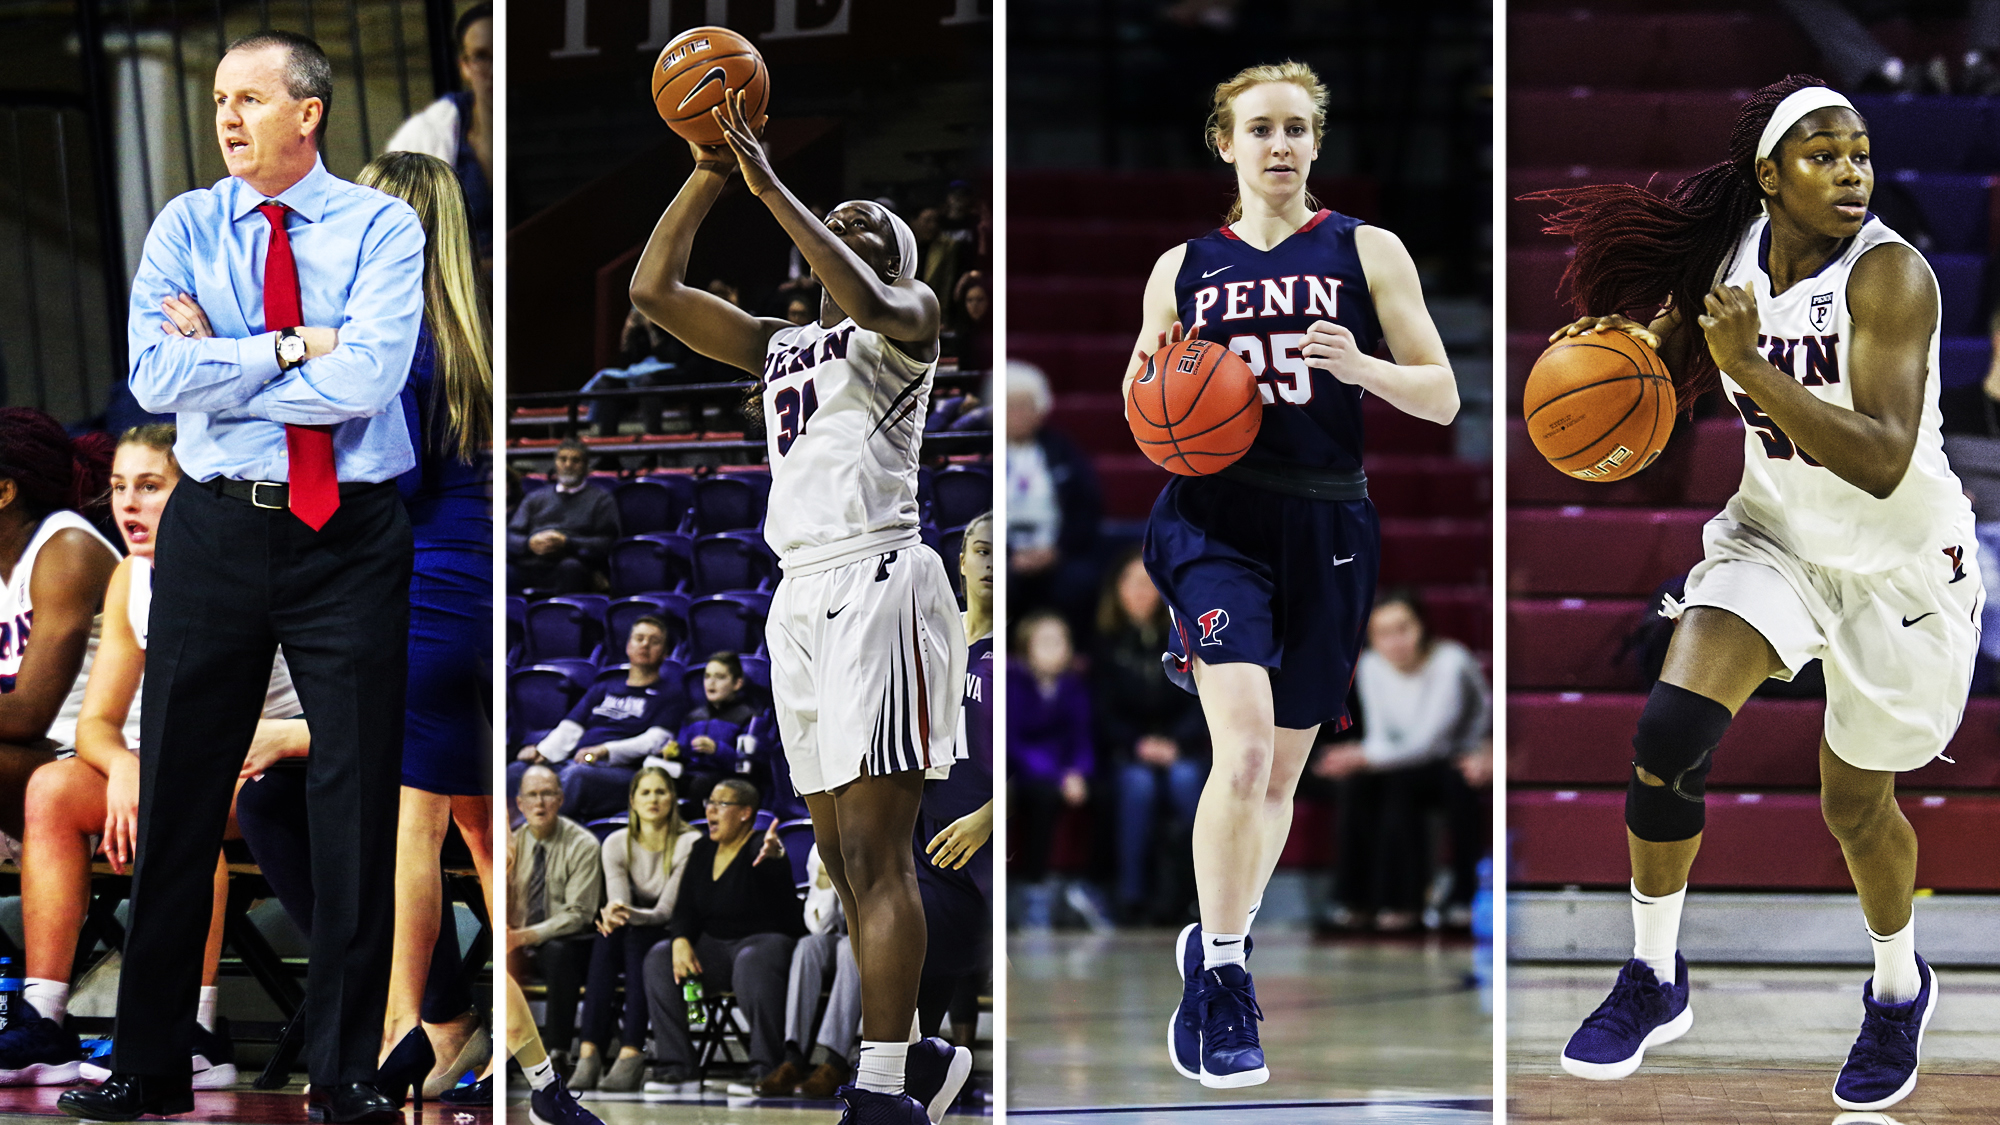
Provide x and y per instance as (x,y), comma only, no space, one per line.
(188,332)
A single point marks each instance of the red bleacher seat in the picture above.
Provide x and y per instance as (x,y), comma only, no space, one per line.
(1607,551)
(1572,642)
(1081,304)
(1435,551)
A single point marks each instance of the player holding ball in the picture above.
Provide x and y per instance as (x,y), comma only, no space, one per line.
(1849,541)
(1269,565)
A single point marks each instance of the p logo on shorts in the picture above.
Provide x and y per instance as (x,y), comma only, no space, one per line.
(1957,557)
(1213,622)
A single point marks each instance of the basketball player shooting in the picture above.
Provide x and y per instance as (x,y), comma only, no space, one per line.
(1269,567)
(867,652)
(1849,541)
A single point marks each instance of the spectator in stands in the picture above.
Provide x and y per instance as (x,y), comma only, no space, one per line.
(825,944)
(57,566)
(969,327)
(555,886)
(458,128)
(1156,738)
(939,252)
(647,357)
(708,739)
(644,863)
(733,926)
(73,801)
(612,729)
(799,310)
(1424,712)
(1049,756)
(559,536)
(1860,61)
(1052,507)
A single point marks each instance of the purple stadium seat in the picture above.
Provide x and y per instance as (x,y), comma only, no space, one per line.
(569,625)
(1956,207)
(729,502)
(1961,280)
(650,504)
(951,545)
(797,836)
(540,697)
(657,560)
(1932,134)
(581,673)
(732,622)
(757,669)
(960,493)
(733,560)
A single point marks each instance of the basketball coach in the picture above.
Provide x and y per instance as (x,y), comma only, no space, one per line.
(288,531)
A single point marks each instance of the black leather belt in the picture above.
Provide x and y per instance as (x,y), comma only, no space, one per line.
(1310,483)
(275,495)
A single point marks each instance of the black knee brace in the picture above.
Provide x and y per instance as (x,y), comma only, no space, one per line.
(1676,741)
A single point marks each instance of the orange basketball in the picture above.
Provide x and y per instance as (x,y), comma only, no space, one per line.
(692,74)
(1195,409)
(1600,406)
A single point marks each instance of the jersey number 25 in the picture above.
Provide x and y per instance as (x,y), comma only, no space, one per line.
(1285,374)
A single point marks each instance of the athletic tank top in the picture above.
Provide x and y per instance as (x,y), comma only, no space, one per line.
(1819,517)
(17,621)
(844,419)
(281,701)
(1259,304)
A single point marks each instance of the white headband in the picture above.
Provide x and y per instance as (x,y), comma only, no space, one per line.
(1795,106)
(906,239)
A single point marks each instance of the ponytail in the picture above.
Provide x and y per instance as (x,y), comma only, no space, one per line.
(1637,252)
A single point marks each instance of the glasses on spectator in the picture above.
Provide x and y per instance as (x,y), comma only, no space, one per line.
(725,804)
(541,794)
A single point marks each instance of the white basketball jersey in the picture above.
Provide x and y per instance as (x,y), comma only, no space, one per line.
(844,417)
(1821,518)
(281,700)
(17,621)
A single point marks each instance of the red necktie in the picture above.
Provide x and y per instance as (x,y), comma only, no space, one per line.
(315,490)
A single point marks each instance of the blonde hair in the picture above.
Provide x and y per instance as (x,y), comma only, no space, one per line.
(451,292)
(156,436)
(1222,117)
(674,826)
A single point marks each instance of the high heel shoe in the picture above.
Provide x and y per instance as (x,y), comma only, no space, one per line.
(478,1050)
(407,1066)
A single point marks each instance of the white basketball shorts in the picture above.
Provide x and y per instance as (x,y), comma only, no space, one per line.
(867,668)
(1897,646)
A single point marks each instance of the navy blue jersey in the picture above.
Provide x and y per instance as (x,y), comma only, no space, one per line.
(611,711)
(971,782)
(1259,303)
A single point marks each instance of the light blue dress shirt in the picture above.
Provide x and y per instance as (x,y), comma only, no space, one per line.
(360,256)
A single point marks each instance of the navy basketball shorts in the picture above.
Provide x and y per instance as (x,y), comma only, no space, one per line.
(1259,577)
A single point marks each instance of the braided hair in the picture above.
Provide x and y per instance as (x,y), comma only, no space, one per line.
(49,470)
(1637,252)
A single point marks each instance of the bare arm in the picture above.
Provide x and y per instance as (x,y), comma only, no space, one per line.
(1419,380)
(698,318)
(71,575)
(1893,305)
(1159,321)
(115,676)
(904,310)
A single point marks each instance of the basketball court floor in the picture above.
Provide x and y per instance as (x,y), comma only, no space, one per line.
(1361,1031)
(242,1105)
(712,1108)
(1766,1045)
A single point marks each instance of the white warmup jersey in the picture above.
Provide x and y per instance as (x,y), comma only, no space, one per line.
(17,620)
(844,416)
(281,700)
(1822,519)
(867,649)
(1885,593)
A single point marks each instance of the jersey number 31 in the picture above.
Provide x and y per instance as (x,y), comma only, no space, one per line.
(794,406)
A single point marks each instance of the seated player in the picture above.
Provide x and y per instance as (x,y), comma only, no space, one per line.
(96,793)
(708,738)
(612,729)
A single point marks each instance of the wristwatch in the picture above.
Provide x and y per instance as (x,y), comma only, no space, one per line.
(291,348)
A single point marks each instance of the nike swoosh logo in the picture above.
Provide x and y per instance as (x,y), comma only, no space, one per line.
(1220,942)
(833,613)
(715,74)
(1338,561)
(1212,273)
(1909,621)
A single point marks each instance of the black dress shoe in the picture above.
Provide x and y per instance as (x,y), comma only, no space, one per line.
(472,1093)
(126,1097)
(349,1103)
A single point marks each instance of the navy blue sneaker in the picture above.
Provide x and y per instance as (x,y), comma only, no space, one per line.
(1230,1054)
(38,1051)
(1881,1070)
(555,1105)
(1184,1029)
(1640,1013)
(933,1073)
(868,1107)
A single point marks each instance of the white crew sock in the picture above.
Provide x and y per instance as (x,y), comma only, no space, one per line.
(50,997)
(1220,949)
(542,1075)
(1656,931)
(204,1008)
(1251,917)
(1896,978)
(881,1068)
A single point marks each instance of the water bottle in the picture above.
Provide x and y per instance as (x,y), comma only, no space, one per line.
(691,991)
(10,993)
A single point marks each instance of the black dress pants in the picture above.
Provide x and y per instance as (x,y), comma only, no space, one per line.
(232,581)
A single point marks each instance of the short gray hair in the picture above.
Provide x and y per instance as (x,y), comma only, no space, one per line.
(308,73)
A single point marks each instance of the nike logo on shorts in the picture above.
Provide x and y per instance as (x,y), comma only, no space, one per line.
(1213,272)
(1338,561)
(715,74)
(833,613)
(1909,621)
